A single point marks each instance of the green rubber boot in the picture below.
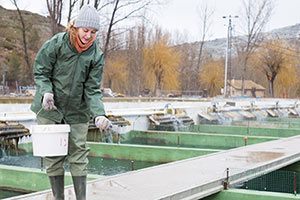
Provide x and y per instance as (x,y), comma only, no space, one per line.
(79,183)
(57,185)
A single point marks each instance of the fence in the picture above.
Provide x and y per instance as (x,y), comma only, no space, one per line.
(277,181)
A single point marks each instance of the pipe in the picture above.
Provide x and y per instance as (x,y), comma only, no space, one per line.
(295,185)
(226,182)
(42,166)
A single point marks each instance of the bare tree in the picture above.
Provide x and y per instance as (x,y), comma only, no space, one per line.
(97,3)
(134,48)
(205,16)
(121,11)
(55,12)
(72,4)
(23,28)
(71,7)
(256,14)
(81,3)
(111,23)
(115,12)
(187,75)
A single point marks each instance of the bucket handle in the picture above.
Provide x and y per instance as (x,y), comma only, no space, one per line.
(55,108)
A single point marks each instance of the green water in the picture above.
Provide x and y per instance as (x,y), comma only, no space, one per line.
(100,166)
(6,193)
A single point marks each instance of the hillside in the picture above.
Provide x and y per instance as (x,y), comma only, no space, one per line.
(288,32)
(38,31)
(217,47)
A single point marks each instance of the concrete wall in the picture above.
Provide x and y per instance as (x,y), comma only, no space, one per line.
(144,153)
(250,131)
(239,194)
(139,152)
(189,139)
(29,179)
(238,92)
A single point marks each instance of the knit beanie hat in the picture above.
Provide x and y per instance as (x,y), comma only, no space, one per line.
(88,18)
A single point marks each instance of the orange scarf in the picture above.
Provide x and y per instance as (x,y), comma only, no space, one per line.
(80,47)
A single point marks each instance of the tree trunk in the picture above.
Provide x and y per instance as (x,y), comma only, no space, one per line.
(271,88)
(244,75)
(110,28)
(109,83)
(55,10)
(26,57)
(200,56)
(71,6)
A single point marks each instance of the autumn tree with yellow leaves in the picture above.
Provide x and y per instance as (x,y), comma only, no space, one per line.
(212,77)
(276,62)
(160,64)
(287,80)
(116,72)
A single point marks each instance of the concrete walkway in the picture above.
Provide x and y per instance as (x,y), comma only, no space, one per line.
(193,178)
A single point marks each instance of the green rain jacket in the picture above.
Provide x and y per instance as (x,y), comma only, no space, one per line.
(74,79)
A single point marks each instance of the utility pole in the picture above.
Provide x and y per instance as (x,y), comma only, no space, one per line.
(228,49)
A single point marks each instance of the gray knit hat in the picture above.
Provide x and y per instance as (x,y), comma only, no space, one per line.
(88,18)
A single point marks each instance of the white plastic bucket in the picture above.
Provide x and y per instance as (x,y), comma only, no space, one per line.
(50,140)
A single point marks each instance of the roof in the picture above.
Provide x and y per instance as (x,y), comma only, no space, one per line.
(237,84)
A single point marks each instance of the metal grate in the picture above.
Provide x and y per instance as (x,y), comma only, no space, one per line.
(277,181)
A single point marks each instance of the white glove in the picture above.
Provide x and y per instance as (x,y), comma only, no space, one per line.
(102,123)
(48,102)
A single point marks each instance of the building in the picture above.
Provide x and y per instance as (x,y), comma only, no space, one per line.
(252,89)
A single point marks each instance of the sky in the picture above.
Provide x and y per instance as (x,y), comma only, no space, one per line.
(182,16)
